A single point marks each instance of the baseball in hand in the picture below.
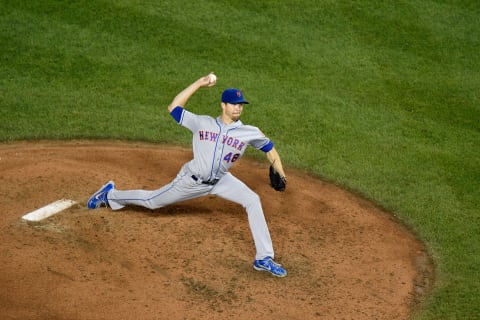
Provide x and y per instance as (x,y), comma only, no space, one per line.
(212,78)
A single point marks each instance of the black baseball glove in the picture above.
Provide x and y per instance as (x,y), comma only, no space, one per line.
(276,181)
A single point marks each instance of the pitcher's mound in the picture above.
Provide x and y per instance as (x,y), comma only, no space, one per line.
(346,258)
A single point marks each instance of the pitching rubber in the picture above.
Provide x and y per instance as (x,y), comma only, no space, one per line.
(49,210)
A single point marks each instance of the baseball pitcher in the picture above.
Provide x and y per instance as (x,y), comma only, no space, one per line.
(217,144)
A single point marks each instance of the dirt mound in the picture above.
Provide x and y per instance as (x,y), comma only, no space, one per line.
(346,258)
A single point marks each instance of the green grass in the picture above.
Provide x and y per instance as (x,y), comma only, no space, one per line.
(380,97)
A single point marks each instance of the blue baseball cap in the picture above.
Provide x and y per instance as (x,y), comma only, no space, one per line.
(233,96)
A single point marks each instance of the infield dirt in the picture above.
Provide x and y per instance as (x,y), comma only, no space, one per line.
(346,258)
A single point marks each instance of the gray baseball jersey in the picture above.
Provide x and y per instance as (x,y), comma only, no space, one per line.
(216,146)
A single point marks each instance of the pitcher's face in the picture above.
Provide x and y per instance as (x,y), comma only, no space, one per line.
(231,112)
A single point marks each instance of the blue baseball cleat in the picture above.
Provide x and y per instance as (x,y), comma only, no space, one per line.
(100,197)
(267,264)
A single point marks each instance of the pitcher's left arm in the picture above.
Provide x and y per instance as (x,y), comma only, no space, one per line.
(276,162)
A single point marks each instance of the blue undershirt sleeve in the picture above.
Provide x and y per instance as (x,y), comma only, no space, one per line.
(266,148)
(177,114)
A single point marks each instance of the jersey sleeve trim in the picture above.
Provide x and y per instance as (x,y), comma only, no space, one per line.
(266,148)
(177,114)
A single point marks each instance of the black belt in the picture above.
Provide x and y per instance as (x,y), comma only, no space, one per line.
(209,182)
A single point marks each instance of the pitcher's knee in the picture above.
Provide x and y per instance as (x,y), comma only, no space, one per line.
(251,199)
(150,205)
